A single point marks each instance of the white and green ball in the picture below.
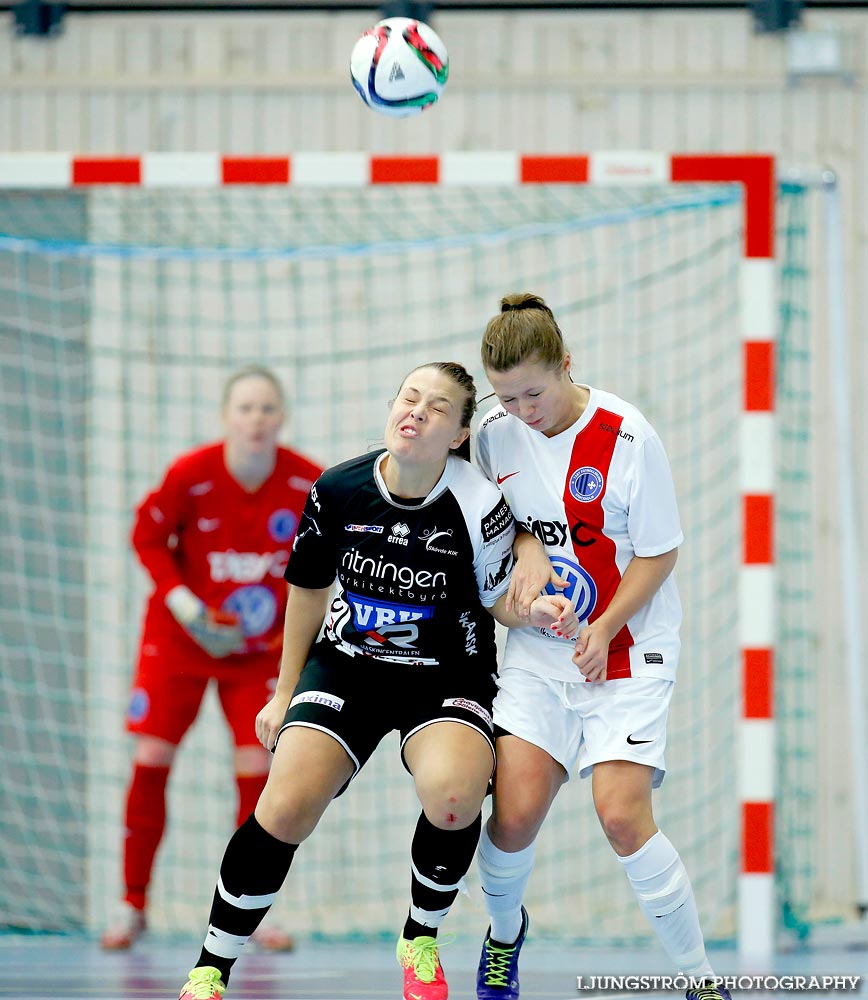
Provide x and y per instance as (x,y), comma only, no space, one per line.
(399,67)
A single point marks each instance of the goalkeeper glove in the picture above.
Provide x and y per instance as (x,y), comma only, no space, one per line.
(217,632)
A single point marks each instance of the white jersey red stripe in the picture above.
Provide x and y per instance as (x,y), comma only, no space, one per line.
(592,452)
(596,495)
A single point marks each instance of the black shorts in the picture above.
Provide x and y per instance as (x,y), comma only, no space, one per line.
(358,700)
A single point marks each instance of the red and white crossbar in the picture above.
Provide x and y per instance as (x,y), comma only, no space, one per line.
(756,173)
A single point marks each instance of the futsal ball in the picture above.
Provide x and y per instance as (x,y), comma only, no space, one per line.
(399,67)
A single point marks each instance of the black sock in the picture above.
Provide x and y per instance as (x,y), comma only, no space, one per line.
(440,858)
(255,864)
(501,944)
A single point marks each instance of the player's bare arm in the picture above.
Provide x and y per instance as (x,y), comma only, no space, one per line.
(305,611)
(641,580)
(551,611)
(530,574)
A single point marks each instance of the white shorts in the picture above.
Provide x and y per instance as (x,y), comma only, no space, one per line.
(574,721)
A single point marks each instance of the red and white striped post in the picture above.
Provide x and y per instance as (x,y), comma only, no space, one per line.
(757,603)
(756,173)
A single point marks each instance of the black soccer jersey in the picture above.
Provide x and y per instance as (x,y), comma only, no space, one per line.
(412,579)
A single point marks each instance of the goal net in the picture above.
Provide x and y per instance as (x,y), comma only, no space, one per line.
(123,310)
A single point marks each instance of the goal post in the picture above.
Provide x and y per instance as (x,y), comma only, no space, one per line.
(162,272)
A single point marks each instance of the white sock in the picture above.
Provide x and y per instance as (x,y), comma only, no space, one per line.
(660,881)
(503,877)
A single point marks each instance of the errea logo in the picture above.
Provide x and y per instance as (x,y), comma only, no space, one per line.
(399,533)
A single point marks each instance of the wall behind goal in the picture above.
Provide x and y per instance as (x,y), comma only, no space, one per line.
(546,82)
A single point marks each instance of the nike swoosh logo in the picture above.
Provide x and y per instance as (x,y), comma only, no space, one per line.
(502,479)
(487,893)
(634,743)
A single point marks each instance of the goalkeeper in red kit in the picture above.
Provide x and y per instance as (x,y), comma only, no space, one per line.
(215,537)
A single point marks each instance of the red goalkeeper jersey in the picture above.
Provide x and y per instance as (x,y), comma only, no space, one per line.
(201,528)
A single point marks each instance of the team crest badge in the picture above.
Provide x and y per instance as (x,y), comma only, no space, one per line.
(282,525)
(586,484)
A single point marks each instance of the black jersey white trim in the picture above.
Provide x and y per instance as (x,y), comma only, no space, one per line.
(421,601)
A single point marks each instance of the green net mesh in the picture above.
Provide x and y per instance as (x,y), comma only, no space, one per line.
(121,314)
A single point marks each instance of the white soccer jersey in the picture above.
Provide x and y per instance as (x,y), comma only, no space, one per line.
(595,495)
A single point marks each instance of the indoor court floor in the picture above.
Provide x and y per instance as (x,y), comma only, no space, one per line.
(66,968)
